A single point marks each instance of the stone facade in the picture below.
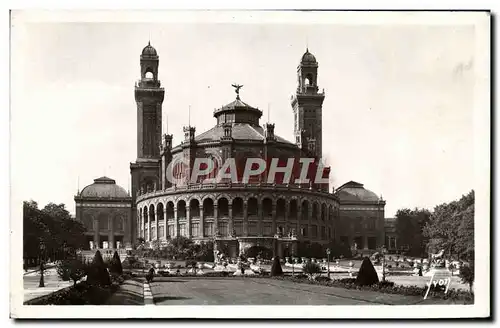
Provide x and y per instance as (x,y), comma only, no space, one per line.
(105,210)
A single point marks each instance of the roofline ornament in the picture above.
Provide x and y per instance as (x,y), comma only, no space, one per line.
(237,88)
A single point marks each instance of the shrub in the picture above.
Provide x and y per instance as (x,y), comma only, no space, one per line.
(311,269)
(467,275)
(191,263)
(367,274)
(63,269)
(276,269)
(115,265)
(97,272)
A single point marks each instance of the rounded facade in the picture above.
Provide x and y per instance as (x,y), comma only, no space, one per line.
(104,187)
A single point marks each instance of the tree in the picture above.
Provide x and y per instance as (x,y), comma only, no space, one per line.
(73,269)
(367,274)
(311,269)
(276,269)
(451,228)
(467,275)
(409,228)
(116,264)
(98,273)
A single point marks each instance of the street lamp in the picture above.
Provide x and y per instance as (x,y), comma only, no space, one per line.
(383,262)
(42,248)
(328,262)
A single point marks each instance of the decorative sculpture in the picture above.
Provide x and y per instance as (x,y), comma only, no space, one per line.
(237,88)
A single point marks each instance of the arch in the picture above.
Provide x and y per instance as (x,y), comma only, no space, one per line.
(280,208)
(194,208)
(181,209)
(152,213)
(252,206)
(145,215)
(88,221)
(160,211)
(315,210)
(330,213)
(304,213)
(103,221)
(267,207)
(309,80)
(323,212)
(261,251)
(170,211)
(208,207)
(222,207)
(238,207)
(118,223)
(294,208)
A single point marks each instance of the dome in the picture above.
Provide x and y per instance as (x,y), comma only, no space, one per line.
(354,191)
(149,51)
(104,187)
(308,58)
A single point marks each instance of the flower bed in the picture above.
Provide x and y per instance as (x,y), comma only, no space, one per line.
(81,294)
(387,287)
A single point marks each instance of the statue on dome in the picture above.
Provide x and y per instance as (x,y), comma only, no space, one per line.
(237,88)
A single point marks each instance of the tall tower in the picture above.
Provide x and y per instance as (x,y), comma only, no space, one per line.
(307,106)
(149,95)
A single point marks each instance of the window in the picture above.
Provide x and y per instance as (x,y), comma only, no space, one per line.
(208,229)
(103,223)
(182,230)
(323,233)
(153,233)
(223,228)
(252,228)
(314,231)
(171,230)
(195,227)
(268,229)
(238,228)
(303,231)
(161,233)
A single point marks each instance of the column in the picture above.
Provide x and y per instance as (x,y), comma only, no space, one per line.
(176,223)
(245,218)
(96,234)
(309,218)
(231,223)
(111,237)
(216,219)
(188,221)
(260,217)
(157,224)
(299,218)
(365,241)
(274,219)
(202,222)
(149,226)
(128,238)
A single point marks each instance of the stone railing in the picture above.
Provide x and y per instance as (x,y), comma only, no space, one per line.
(233,186)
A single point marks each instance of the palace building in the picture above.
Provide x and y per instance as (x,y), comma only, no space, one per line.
(237,216)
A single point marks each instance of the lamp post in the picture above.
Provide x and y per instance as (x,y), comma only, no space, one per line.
(383,262)
(328,262)
(42,249)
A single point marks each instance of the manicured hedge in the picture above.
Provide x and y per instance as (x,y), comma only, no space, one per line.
(81,294)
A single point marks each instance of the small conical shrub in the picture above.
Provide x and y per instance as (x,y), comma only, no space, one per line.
(98,274)
(116,264)
(276,268)
(367,274)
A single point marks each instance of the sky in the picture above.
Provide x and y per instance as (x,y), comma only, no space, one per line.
(397,116)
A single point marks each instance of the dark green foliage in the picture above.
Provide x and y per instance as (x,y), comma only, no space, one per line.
(311,269)
(467,275)
(367,274)
(410,229)
(276,269)
(115,265)
(191,263)
(81,294)
(71,269)
(451,227)
(53,226)
(259,251)
(97,272)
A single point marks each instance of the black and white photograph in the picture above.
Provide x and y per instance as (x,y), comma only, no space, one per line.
(289,164)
